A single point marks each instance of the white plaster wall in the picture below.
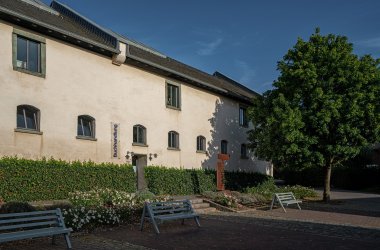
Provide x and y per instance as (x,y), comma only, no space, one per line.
(80,82)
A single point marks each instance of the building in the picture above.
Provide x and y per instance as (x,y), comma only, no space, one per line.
(73,90)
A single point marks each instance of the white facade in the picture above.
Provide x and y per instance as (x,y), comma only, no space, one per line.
(81,82)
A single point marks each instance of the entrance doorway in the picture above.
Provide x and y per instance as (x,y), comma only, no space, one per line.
(140,162)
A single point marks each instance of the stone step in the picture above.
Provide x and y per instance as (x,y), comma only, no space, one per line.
(196,200)
(205,210)
(200,205)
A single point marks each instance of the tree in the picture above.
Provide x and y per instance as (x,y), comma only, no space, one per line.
(324,107)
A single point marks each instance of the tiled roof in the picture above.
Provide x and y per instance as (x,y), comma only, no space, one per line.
(60,21)
(231,89)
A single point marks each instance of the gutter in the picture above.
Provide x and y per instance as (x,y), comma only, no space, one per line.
(56,29)
(173,71)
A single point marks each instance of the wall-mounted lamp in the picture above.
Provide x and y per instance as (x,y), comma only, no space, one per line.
(152,155)
(129,155)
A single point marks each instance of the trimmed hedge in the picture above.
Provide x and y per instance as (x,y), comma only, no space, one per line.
(174,181)
(238,181)
(29,180)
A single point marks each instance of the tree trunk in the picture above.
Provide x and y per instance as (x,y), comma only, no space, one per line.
(326,191)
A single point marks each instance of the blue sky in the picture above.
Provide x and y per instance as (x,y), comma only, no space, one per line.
(243,39)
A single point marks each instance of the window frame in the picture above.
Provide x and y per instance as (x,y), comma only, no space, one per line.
(243,116)
(179,102)
(92,127)
(224,142)
(170,141)
(137,143)
(41,55)
(244,153)
(201,141)
(36,117)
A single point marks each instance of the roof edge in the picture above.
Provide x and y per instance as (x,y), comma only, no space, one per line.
(56,29)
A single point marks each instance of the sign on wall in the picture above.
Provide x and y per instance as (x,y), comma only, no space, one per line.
(115,142)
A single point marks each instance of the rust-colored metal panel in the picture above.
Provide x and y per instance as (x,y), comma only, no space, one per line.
(223,157)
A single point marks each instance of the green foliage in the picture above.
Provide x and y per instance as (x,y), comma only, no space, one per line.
(16,207)
(29,180)
(162,180)
(268,188)
(240,180)
(324,107)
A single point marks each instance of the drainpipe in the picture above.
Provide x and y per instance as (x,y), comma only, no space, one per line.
(119,59)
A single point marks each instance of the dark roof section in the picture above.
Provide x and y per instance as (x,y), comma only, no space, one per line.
(60,26)
(191,75)
(238,85)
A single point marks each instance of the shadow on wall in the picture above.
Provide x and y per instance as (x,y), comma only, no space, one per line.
(225,126)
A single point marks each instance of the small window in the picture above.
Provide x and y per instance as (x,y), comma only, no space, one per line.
(223,147)
(28,117)
(201,143)
(173,96)
(243,120)
(139,134)
(86,126)
(243,151)
(29,52)
(173,140)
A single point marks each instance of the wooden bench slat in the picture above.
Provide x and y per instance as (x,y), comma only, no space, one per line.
(28,234)
(35,218)
(168,210)
(26,225)
(28,214)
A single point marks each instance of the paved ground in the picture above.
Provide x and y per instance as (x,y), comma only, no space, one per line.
(351,222)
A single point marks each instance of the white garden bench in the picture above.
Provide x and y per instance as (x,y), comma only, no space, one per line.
(28,225)
(158,212)
(285,199)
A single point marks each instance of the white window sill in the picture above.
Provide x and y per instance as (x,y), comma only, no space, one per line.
(28,131)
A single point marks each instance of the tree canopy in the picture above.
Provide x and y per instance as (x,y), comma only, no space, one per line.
(324,107)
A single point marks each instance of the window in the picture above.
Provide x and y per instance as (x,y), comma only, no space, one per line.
(201,143)
(29,52)
(243,120)
(86,127)
(243,151)
(28,117)
(173,96)
(139,134)
(223,147)
(173,140)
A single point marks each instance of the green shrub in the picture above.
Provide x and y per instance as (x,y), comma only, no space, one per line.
(162,180)
(16,207)
(29,180)
(238,181)
(268,188)
(300,192)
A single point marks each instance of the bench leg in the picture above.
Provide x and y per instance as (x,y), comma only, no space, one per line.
(298,205)
(197,221)
(68,243)
(282,206)
(155,226)
(271,206)
(142,219)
